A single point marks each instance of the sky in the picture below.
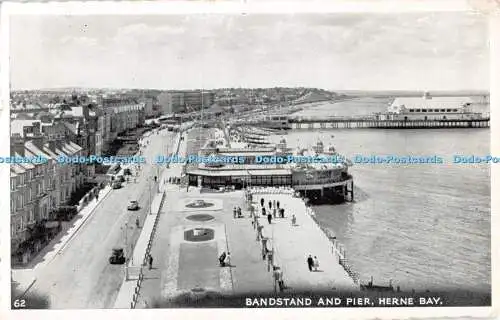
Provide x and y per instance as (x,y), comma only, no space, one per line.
(334,51)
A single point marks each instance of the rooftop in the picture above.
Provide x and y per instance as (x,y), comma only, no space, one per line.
(432,103)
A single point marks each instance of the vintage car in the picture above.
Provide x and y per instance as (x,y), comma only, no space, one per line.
(117,256)
(116,185)
(133,205)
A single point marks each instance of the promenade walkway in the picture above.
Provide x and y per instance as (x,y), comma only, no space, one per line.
(292,245)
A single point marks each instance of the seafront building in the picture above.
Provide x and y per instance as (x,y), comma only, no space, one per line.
(185,101)
(324,181)
(38,190)
(430,108)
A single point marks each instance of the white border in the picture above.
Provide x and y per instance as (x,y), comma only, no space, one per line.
(235,7)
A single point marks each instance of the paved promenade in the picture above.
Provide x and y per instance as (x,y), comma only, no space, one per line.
(294,243)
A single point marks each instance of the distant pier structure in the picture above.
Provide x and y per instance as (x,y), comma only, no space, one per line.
(408,113)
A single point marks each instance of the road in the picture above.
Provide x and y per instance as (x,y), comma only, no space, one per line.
(81,276)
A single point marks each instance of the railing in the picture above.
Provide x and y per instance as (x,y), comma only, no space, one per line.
(135,296)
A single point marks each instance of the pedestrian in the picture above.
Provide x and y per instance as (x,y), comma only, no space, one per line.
(234,212)
(270,205)
(239,212)
(278,204)
(96,196)
(269,218)
(227,260)
(263,211)
(262,202)
(294,220)
(278,277)
(156,178)
(150,262)
(137,222)
(282,212)
(310,263)
(316,263)
(222,259)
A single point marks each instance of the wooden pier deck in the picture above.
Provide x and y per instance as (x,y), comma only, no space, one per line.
(373,123)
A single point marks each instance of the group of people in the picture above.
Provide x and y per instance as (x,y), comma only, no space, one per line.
(312,263)
(174,180)
(237,212)
(225,259)
(274,210)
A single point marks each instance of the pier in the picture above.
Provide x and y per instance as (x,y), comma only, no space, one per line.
(357,122)
(288,245)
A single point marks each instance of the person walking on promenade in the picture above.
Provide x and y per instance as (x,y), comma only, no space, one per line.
(239,212)
(234,212)
(294,220)
(269,217)
(222,259)
(316,263)
(263,211)
(97,196)
(150,262)
(278,204)
(270,205)
(262,202)
(310,263)
(227,260)
(137,222)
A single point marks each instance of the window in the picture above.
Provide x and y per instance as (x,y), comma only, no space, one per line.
(443,110)
(21,225)
(30,195)
(19,202)
(13,183)
(455,110)
(13,230)
(12,205)
(32,215)
(448,110)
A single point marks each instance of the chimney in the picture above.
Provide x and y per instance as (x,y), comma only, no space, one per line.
(17,145)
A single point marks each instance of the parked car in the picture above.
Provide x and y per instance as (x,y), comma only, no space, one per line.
(133,205)
(117,256)
(116,185)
